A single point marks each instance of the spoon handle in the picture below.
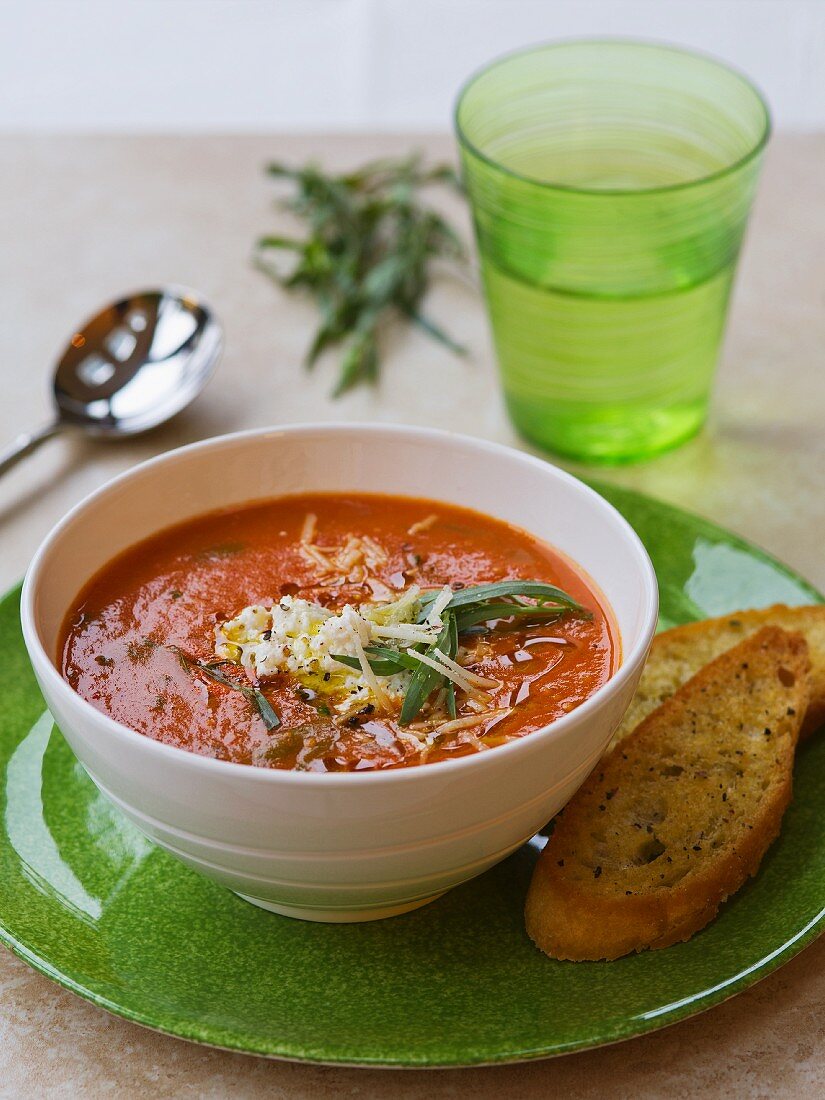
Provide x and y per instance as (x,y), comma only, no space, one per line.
(26,443)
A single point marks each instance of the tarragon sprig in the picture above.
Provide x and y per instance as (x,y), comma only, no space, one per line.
(212,670)
(467,608)
(368,253)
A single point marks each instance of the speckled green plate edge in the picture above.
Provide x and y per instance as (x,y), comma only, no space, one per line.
(88,902)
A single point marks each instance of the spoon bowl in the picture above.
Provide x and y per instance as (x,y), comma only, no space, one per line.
(131,367)
(137,363)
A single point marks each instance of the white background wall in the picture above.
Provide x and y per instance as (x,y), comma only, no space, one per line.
(235,65)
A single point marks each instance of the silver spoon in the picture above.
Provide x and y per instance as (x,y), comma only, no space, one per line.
(131,367)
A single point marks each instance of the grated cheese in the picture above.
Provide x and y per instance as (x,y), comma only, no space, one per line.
(423,524)
(380,591)
(474,679)
(372,680)
(356,561)
(377,552)
(456,677)
(441,601)
(313,555)
(309,527)
(405,632)
(470,721)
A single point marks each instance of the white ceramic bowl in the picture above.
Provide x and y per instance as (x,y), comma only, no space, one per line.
(344,846)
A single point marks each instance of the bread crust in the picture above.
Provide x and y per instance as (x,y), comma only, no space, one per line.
(712,764)
(679,653)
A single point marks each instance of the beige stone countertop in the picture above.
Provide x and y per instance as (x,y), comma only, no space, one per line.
(86,218)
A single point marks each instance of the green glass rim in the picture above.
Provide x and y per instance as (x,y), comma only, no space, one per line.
(660,47)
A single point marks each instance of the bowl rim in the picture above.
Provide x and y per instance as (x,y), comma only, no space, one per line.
(328,781)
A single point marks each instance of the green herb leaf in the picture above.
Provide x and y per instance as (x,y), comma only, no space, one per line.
(382,660)
(211,669)
(383,652)
(437,333)
(265,709)
(451,708)
(380,668)
(425,679)
(368,253)
(360,363)
(481,593)
(489,612)
(452,643)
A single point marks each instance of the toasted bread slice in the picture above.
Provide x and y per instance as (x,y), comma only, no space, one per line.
(678,817)
(678,654)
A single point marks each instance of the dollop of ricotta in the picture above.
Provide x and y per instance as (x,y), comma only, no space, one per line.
(299,637)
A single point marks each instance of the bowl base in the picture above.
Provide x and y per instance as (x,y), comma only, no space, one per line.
(339,916)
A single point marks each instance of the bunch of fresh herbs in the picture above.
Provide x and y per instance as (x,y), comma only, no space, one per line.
(368,253)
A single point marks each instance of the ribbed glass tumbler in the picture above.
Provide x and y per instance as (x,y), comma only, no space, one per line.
(610,184)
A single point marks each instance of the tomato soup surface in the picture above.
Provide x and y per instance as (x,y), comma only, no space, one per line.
(222,635)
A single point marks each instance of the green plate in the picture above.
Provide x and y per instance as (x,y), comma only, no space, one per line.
(88,901)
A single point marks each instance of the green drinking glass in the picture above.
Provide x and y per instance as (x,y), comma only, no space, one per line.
(610,183)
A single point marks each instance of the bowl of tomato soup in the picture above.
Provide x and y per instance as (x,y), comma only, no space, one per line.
(340,669)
